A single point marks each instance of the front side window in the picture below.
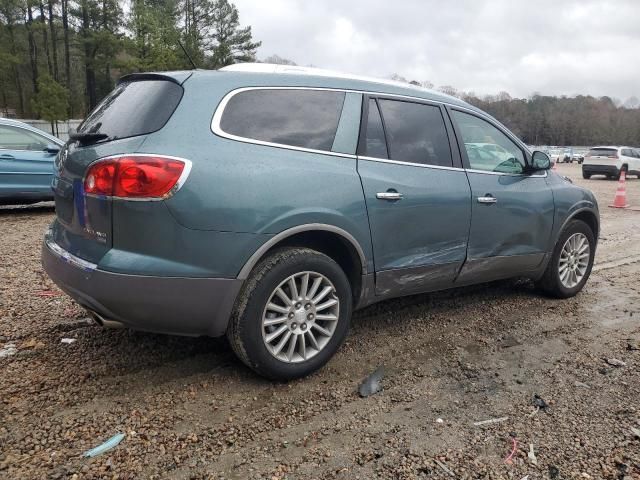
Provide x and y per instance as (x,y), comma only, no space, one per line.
(416,133)
(487,147)
(12,138)
(299,118)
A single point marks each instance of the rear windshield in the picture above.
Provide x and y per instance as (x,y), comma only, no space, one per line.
(134,108)
(300,118)
(603,152)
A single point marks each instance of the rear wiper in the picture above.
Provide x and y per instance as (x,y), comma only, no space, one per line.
(88,137)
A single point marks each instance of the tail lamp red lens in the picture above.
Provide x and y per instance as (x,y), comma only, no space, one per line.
(134,176)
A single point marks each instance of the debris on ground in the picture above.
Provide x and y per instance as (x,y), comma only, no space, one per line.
(32,343)
(539,402)
(514,449)
(372,384)
(633,344)
(635,431)
(106,446)
(47,293)
(68,341)
(439,420)
(581,385)
(531,455)
(490,421)
(8,350)
(554,472)
(444,468)
(614,362)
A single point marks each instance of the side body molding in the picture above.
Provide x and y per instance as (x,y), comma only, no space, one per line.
(258,254)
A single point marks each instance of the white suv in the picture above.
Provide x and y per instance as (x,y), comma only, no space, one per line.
(610,161)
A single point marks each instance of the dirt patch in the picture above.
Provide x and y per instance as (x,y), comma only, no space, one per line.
(190,409)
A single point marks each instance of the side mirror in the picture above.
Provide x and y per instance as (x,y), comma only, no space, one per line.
(52,148)
(540,161)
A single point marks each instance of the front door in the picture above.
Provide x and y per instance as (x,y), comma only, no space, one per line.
(417,199)
(25,166)
(512,211)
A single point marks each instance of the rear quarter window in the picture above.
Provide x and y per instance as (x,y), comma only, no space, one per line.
(134,108)
(298,118)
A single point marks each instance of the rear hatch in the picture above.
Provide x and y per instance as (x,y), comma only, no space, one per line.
(138,106)
(601,156)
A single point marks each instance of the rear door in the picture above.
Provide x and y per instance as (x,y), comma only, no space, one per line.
(511,211)
(417,195)
(25,165)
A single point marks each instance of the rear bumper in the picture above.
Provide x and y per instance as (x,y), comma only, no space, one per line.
(173,305)
(600,169)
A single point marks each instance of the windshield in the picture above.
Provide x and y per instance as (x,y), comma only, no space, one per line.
(134,108)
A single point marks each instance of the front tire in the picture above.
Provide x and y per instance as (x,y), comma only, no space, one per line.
(586,176)
(571,261)
(292,315)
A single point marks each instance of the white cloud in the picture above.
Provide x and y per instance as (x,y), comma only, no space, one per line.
(548,46)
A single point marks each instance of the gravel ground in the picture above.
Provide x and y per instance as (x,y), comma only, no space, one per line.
(189,409)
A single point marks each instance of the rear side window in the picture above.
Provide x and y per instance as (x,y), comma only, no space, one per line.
(134,108)
(299,118)
(415,133)
(375,145)
(603,152)
(627,152)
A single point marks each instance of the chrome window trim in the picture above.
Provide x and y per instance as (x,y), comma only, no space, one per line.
(409,164)
(181,180)
(217,117)
(486,172)
(438,167)
(64,255)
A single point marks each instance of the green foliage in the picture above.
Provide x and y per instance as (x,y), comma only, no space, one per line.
(52,100)
(97,41)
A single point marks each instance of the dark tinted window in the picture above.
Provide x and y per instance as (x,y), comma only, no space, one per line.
(627,152)
(415,133)
(300,118)
(376,145)
(134,108)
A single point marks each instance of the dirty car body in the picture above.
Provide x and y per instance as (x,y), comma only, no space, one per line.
(323,170)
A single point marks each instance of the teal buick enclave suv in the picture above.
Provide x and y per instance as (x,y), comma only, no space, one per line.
(267,203)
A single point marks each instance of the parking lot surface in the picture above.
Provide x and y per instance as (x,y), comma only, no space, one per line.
(189,409)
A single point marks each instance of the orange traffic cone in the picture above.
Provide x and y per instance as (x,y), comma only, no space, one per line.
(620,200)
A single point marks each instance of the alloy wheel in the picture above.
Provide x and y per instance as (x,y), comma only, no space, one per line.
(300,317)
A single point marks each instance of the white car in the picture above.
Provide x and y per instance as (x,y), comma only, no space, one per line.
(610,161)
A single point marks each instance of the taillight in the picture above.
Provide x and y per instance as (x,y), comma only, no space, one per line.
(135,176)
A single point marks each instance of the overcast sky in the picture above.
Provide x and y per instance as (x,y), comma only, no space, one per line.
(555,47)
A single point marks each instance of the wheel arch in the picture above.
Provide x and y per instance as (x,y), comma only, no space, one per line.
(588,216)
(333,241)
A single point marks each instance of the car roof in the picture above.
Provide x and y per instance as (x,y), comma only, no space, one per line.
(267,74)
(16,123)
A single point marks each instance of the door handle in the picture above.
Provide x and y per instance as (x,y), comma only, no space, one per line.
(488,199)
(389,196)
(6,155)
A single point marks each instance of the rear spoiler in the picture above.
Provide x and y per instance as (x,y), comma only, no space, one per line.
(176,77)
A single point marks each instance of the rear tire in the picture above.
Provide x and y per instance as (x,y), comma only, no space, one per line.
(586,176)
(557,280)
(268,296)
